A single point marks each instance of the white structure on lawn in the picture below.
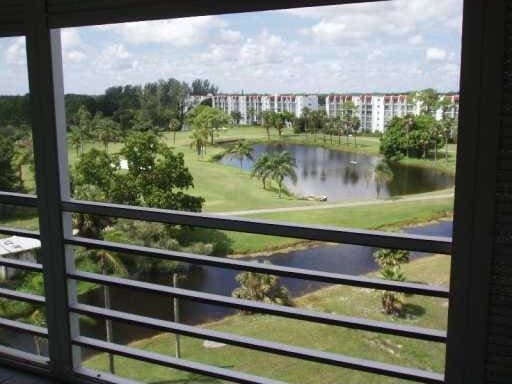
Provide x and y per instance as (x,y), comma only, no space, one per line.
(252,106)
(376,111)
(19,248)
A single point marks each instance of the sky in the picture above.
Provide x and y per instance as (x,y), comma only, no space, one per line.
(391,46)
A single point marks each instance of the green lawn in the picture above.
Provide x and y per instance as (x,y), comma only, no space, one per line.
(382,217)
(420,311)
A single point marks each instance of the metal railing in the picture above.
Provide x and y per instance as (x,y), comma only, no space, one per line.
(318,233)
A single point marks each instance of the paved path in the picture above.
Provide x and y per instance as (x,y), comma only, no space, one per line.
(338,205)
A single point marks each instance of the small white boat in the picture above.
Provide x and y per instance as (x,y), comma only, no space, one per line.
(353,162)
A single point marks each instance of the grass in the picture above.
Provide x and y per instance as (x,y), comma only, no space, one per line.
(378,217)
(419,311)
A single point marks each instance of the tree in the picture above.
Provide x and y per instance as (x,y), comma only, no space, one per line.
(390,262)
(448,127)
(383,175)
(210,120)
(156,176)
(261,287)
(203,87)
(282,165)
(236,116)
(267,121)
(199,139)
(262,169)
(9,177)
(241,150)
(82,130)
(429,100)
(106,130)
(316,122)
(410,136)
(24,155)
(174,126)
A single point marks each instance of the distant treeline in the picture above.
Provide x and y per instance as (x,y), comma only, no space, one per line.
(152,104)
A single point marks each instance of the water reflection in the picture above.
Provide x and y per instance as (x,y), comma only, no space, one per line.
(343,175)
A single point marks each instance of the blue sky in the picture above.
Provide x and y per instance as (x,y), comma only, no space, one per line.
(389,46)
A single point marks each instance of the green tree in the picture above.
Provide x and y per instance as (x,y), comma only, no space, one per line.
(382,175)
(261,287)
(199,139)
(267,121)
(9,176)
(106,130)
(262,169)
(390,262)
(410,136)
(174,126)
(429,100)
(24,155)
(241,150)
(210,120)
(82,130)
(282,165)
(236,116)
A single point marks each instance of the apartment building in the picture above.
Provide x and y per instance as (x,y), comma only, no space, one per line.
(252,106)
(376,111)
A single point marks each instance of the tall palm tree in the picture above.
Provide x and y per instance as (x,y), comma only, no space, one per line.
(241,150)
(174,126)
(267,121)
(199,139)
(282,165)
(261,169)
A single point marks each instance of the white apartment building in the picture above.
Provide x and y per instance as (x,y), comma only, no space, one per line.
(252,106)
(376,111)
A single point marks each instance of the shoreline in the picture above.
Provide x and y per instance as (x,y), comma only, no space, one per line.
(307,244)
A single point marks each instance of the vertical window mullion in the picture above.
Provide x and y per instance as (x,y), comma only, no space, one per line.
(47,103)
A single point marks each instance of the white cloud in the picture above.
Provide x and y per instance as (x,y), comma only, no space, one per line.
(70,38)
(436,54)
(16,52)
(416,39)
(230,36)
(74,57)
(116,58)
(266,48)
(394,18)
(179,32)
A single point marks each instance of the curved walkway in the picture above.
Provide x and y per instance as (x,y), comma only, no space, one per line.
(338,205)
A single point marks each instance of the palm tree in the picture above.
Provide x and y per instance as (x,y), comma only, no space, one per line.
(282,165)
(241,150)
(174,126)
(268,121)
(261,169)
(199,139)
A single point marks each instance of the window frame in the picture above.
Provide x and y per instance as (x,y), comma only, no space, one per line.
(475,180)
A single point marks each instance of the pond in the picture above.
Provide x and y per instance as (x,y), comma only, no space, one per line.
(343,175)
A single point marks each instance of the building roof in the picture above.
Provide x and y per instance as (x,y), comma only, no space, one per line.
(16,244)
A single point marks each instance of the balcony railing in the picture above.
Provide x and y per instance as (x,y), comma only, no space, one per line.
(317,233)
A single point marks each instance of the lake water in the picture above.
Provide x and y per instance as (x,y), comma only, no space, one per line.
(325,172)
